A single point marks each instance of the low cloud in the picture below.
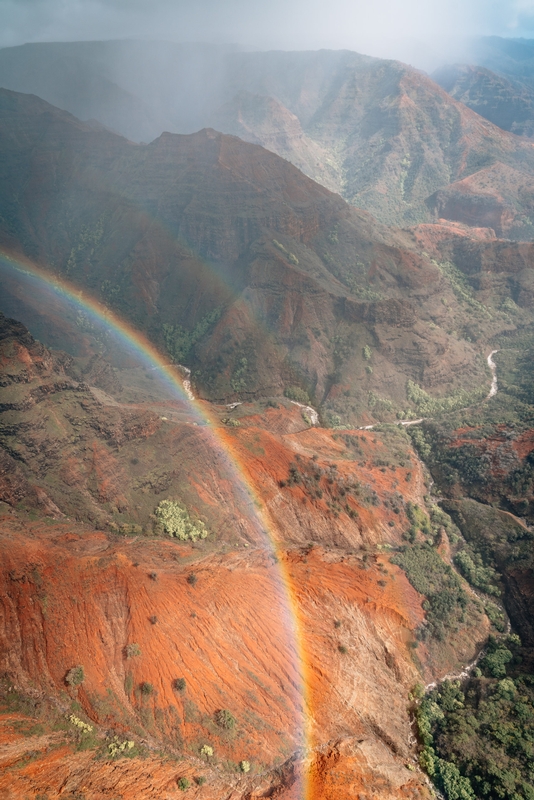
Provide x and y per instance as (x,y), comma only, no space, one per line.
(371,26)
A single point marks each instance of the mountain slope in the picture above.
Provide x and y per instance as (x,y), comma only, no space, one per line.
(513,58)
(379,132)
(76,596)
(506,104)
(237,263)
(394,136)
(497,197)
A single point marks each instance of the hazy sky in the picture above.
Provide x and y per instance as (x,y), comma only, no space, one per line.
(365,25)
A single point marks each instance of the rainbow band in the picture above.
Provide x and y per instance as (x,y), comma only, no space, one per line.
(255,509)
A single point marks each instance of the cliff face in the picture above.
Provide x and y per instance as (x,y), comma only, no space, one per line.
(76,597)
(497,197)
(306,627)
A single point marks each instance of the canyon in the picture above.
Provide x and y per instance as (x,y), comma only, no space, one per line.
(265,460)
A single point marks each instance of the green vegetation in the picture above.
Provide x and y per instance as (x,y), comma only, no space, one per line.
(179,685)
(478,740)
(332,420)
(419,522)
(428,406)
(225,719)
(207,751)
(298,395)
(239,381)
(483,459)
(183,784)
(498,655)
(446,601)
(88,241)
(177,522)
(116,748)
(147,689)
(82,726)
(291,257)
(351,442)
(496,616)
(380,406)
(231,422)
(461,288)
(179,342)
(244,766)
(75,676)
(476,573)
(132,650)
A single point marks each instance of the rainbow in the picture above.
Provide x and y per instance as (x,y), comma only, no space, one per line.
(151,357)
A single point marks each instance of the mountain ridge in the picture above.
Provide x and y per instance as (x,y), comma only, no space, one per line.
(377,131)
(207,230)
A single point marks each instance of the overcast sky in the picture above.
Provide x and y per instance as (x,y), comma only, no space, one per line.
(366,25)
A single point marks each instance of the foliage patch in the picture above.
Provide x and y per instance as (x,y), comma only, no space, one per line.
(176,521)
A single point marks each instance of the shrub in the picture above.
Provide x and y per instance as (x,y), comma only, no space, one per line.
(297,394)
(291,257)
(200,780)
(192,578)
(244,766)
(130,529)
(184,784)
(342,649)
(147,689)
(475,573)
(80,724)
(455,786)
(118,748)
(153,619)
(75,676)
(496,658)
(231,422)
(179,685)
(132,650)
(225,719)
(206,750)
(176,521)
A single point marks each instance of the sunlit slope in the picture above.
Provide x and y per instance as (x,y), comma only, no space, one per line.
(139,610)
